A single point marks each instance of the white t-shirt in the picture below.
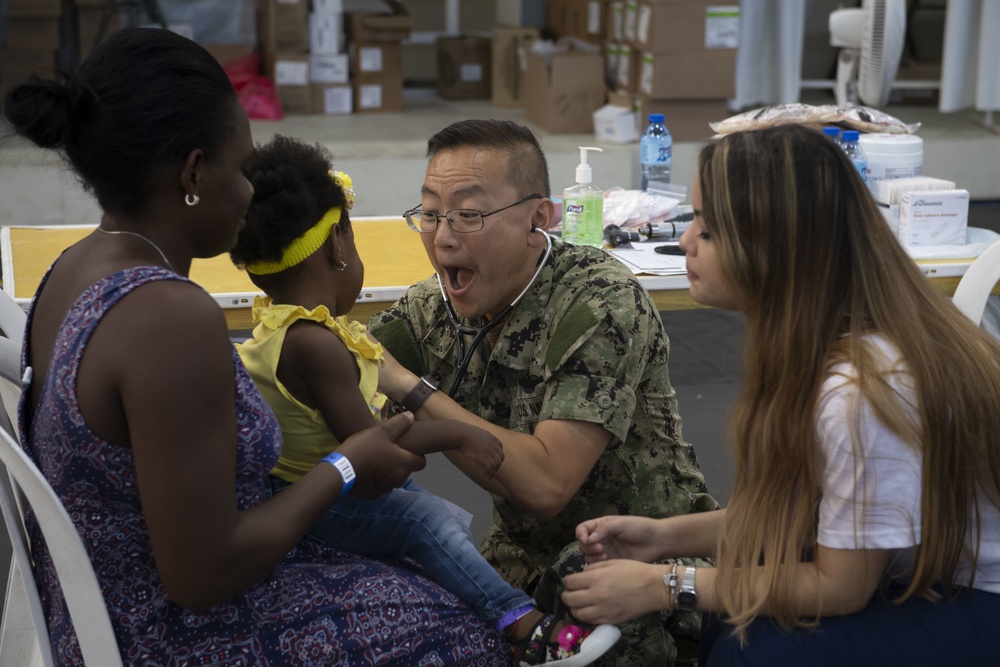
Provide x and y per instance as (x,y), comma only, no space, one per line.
(872,501)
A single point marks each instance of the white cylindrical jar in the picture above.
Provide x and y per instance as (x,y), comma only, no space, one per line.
(892,156)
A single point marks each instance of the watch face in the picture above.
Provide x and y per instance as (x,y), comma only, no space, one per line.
(687,600)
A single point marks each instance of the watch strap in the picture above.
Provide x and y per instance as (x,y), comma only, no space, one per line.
(414,400)
(687,595)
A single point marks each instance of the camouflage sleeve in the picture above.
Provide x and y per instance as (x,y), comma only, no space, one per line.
(597,356)
(393,327)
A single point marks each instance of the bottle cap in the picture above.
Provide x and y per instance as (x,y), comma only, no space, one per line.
(656,118)
(583,171)
(850,135)
(831,131)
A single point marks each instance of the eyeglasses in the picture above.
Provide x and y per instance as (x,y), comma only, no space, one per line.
(461,220)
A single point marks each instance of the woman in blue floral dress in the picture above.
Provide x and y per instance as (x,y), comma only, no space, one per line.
(139,413)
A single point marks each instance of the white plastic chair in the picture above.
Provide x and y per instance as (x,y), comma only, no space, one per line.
(976,285)
(24,637)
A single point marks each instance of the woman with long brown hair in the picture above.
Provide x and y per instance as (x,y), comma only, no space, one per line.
(863,526)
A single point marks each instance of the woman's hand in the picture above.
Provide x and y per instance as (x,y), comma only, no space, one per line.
(631,537)
(616,591)
(379,463)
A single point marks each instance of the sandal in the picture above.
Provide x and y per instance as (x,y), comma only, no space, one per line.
(574,646)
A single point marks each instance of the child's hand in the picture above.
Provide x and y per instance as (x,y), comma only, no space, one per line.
(481,447)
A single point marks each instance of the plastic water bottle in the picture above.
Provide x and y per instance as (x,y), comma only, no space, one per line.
(854,152)
(655,153)
(833,132)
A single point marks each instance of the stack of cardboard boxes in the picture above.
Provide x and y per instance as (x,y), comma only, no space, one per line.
(32,28)
(675,57)
(283,26)
(562,90)
(329,67)
(376,47)
(463,68)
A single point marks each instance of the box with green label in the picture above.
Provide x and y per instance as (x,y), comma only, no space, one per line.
(683,26)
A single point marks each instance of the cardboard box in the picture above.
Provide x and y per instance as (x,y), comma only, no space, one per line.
(687,26)
(88,20)
(934,217)
(374,27)
(509,47)
(33,9)
(32,34)
(704,75)
(463,68)
(328,6)
(326,33)
(376,96)
(565,92)
(332,99)
(616,20)
(329,69)
(377,61)
(290,74)
(616,124)
(284,26)
(687,120)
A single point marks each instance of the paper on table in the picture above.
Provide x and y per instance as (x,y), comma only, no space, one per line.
(642,258)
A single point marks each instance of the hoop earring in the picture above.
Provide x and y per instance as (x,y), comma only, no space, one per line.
(340,266)
(192,200)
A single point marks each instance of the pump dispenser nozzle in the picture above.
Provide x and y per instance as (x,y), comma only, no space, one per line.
(583,172)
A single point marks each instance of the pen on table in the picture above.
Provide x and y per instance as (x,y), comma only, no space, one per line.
(669,249)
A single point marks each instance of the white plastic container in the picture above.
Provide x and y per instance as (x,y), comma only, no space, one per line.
(892,156)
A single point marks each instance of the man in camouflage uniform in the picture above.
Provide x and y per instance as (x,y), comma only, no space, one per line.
(573,381)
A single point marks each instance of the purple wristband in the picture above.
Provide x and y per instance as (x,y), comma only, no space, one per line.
(512,616)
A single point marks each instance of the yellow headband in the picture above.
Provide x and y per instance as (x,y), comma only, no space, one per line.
(310,241)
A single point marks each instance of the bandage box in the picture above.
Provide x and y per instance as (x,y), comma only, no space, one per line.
(615,124)
(933,217)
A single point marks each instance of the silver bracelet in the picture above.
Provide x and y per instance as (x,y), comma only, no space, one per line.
(670,581)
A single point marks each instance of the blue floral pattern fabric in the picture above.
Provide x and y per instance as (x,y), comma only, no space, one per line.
(318,606)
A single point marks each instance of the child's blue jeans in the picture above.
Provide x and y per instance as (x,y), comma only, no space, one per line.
(410,522)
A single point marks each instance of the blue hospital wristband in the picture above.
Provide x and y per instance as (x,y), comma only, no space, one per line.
(344,467)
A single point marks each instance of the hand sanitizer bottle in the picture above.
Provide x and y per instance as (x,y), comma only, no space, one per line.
(583,207)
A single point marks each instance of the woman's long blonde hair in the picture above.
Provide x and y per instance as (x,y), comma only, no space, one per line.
(816,267)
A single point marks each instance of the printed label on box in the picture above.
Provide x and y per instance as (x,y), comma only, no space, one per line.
(646,75)
(617,20)
(291,73)
(722,27)
(631,9)
(642,24)
(624,65)
(370,59)
(337,99)
(594,18)
(471,72)
(329,69)
(370,96)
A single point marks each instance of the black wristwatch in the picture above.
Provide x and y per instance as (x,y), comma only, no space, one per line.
(415,399)
(687,596)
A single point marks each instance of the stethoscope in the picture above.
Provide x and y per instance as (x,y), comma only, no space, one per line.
(478,333)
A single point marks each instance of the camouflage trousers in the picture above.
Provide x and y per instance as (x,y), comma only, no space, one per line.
(654,640)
